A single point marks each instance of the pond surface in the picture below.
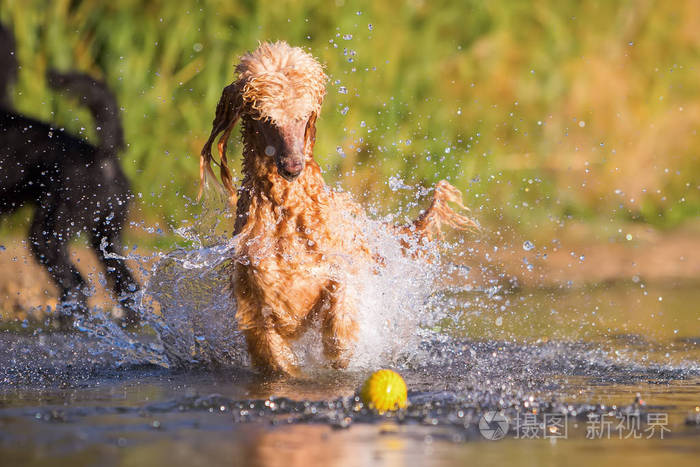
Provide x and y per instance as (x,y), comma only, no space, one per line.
(602,372)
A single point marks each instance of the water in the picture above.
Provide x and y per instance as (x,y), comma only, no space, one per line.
(180,390)
(64,399)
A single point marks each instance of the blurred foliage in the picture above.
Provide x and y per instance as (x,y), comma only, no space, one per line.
(542,111)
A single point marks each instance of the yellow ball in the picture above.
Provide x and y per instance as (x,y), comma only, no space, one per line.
(384,390)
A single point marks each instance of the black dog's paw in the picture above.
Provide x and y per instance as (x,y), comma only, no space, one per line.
(66,314)
(128,316)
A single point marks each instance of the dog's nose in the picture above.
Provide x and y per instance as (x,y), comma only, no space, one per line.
(291,168)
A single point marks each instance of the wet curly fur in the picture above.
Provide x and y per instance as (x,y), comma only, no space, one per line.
(297,240)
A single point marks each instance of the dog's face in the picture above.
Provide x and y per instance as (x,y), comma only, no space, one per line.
(288,144)
(278,94)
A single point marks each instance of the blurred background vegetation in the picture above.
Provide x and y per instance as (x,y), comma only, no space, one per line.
(543,112)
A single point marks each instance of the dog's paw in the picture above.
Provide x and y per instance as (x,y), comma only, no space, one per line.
(66,313)
(446,193)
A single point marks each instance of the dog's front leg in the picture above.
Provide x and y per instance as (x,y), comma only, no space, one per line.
(339,324)
(48,238)
(269,351)
(268,348)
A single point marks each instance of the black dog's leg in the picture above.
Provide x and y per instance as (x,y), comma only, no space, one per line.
(49,244)
(105,242)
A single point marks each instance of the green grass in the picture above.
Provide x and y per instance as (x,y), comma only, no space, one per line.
(491,95)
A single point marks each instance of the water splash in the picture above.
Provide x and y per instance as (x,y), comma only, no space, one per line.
(195,318)
(406,307)
(196,323)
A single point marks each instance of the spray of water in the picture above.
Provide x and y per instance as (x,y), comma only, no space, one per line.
(196,320)
(406,304)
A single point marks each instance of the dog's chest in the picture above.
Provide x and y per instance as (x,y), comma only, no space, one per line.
(289,268)
(290,256)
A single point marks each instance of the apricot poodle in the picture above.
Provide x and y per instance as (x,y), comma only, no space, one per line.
(297,240)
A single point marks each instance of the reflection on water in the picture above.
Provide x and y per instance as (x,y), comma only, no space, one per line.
(64,400)
(147,421)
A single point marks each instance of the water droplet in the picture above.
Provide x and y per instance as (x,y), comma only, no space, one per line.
(581,123)
(343,90)
(396,183)
(528,245)
(499,321)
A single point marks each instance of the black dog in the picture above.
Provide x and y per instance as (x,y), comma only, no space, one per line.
(8,65)
(76,187)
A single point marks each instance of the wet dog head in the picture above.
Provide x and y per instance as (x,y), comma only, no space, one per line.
(278,95)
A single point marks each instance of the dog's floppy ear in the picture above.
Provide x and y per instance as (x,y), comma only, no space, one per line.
(310,134)
(228,110)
